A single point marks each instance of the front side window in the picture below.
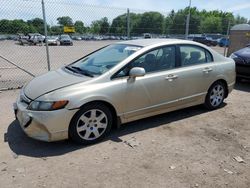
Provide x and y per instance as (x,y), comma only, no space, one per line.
(103,60)
(156,60)
(194,55)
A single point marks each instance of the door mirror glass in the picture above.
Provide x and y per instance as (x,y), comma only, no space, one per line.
(137,72)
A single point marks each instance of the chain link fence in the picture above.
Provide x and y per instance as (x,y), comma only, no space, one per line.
(22,34)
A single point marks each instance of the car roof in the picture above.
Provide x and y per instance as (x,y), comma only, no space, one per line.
(149,42)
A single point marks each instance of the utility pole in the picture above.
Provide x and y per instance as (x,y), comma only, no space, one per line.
(128,24)
(187,20)
(46,34)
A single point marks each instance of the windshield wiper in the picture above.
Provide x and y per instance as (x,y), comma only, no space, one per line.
(69,68)
(79,70)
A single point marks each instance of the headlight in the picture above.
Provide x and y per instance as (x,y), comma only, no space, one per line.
(233,56)
(47,106)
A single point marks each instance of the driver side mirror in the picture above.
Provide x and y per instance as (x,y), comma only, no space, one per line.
(137,72)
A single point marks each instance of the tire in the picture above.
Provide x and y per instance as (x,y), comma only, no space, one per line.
(215,96)
(91,123)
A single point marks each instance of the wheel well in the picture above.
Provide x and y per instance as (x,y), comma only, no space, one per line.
(225,85)
(116,119)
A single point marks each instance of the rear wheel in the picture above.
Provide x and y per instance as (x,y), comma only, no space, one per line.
(215,96)
(91,123)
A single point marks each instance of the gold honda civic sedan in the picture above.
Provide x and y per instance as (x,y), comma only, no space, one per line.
(119,83)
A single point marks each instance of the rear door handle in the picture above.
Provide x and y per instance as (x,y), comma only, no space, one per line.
(207,70)
(171,77)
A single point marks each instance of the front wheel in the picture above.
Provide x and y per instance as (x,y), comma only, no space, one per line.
(215,96)
(91,123)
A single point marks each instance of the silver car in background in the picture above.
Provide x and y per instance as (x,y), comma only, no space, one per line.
(122,82)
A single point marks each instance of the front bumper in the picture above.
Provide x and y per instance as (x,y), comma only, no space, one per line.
(44,125)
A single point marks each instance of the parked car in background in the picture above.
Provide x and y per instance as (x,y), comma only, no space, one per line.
(36,38)
(214,36)
(120,83)
(211,41)
(223,42)
(65,40)
(205,40)
(147,36)
(23,39)
(77,38)
(31,39)
(3,37)
(52,40)
(202,40)
(242,61)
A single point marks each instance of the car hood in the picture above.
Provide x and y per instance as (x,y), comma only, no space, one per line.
(244,52)
(51,81)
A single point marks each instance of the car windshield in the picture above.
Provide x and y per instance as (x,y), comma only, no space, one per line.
(103,60)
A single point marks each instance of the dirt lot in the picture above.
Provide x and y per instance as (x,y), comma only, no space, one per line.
(187,148)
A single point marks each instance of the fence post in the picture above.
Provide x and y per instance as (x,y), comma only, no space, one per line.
(187,21)
(227,39)
(46,35)
(128,24)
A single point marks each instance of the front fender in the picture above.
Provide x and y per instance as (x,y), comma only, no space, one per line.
(77,104)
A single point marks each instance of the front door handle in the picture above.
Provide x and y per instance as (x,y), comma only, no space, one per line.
(207,70)
(171,77)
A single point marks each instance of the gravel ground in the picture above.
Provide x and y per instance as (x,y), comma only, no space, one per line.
(192,147)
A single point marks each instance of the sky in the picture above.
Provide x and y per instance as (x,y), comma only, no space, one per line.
(89,10)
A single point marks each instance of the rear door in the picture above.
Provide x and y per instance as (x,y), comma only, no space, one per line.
(196,73)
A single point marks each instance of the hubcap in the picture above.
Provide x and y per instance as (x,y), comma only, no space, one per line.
(92,124)
(217,95)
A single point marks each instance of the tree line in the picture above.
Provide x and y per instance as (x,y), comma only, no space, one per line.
(149,22)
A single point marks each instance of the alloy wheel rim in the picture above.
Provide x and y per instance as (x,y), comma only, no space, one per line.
(92,124)
(217,95)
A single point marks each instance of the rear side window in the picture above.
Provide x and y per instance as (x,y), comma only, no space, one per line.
(194,55)
(209,57)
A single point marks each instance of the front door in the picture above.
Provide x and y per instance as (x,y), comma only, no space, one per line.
(154,91)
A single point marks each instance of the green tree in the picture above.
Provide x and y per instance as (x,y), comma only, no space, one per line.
(240,20)
(211,24)
(104,25)
(169,22)
(134,23)
(119,25)
(19,26)
(176,22)
(79,27)
(65,21)
(151,22)
(95,27)
(56,30)
(100,26)
(37,24)
(5,26)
